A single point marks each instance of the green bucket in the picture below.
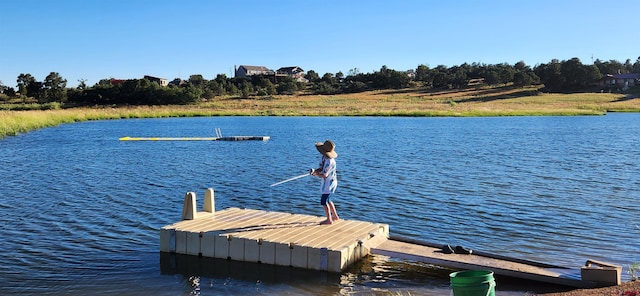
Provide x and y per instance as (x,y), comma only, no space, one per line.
(473,283)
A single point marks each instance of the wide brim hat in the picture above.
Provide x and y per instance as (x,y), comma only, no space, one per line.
(327,148)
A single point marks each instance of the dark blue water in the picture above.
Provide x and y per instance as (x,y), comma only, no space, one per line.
(81,210)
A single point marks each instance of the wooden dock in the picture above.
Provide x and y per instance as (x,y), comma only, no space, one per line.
(504,266)
(300,241)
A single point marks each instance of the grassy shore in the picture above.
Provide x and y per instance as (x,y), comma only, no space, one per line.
(507,101)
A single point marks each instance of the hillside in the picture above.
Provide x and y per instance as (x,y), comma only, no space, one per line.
(480,101)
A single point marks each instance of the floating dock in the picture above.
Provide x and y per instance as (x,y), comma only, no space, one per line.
(300,241)
(218,137)
(229,138)
(270,237)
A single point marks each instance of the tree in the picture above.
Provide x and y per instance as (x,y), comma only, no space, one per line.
(82,84)
(628,66)
(524,76)
(54,88)
(7,91)
(592,73)
(388,78)
(422,74)
(263,85)
(458,77)
(551,75)
(573,71)
(27,86)
(287,86)
(325,88)
(491,77)
(439,77)
(353,72)
(232,89)
(505,72)
(608,67)
(328,78)
(190,94)
(312,76)
(197,80)
(246,88)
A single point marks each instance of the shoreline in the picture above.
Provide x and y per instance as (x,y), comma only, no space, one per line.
(472,102)
(630,288)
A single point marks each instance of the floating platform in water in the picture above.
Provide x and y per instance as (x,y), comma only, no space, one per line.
(297,240)
(270,237)
(229,138)
(218,137)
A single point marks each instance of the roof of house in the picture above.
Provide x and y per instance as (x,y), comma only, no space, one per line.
(255,68)
(288,69)
(153,77)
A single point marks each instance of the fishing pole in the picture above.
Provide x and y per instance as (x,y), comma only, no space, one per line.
(294,178)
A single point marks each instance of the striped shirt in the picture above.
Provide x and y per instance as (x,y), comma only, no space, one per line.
(329,175)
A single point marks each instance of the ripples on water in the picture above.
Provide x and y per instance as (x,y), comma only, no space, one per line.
(81,210)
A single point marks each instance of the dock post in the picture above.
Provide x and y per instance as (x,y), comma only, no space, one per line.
(189,207)
(209,201)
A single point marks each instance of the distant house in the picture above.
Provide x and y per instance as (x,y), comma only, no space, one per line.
(291,71)
(161,81)
(622,81)
(177,82)
(247,71)
(295,72)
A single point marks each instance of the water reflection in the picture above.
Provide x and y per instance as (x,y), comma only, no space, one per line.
(234,277)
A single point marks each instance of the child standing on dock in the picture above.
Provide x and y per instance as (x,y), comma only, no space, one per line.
(327,172)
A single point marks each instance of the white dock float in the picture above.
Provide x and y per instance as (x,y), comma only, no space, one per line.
(270,237)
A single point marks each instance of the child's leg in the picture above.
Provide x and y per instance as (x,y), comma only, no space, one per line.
(332,211)
(328,208)
(327,212)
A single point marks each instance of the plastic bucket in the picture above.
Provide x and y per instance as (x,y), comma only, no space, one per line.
(473,283)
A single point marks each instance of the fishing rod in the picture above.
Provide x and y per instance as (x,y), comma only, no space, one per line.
(294,178)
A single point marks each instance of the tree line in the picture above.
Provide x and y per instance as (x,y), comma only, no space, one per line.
(556,76)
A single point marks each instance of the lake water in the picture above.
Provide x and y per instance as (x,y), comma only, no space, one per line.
(81,210)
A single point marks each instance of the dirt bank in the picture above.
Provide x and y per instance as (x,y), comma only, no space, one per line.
(626,289)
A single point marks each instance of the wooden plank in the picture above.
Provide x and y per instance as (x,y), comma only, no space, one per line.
(204,217)
(302,237)
(431,255)
(277,226)
(336,232)
(356,231)
(235,220)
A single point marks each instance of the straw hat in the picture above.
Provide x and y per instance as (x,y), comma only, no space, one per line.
(327,148)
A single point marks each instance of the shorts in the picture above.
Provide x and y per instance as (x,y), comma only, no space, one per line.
(325,198)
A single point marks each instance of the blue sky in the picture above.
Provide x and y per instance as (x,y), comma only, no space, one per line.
(96,39)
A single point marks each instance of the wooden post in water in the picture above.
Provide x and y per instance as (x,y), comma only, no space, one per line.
(189,210)
(209,201)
